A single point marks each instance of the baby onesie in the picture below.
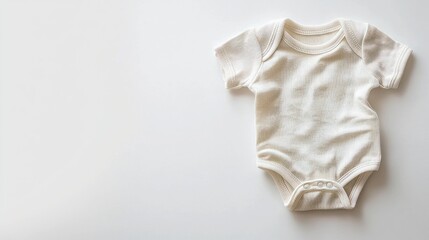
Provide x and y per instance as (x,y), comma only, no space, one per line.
(316,133)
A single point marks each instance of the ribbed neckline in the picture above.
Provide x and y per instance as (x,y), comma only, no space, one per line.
(332,26)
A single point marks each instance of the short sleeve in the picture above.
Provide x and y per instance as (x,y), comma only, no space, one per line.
(385,57)
(239,59)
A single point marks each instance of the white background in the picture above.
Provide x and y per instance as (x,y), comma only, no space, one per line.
(115,124)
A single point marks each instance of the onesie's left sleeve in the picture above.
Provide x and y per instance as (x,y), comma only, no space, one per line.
(239,58)
(385,57)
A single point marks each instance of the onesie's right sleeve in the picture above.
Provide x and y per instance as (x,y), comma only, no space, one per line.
(385,57)
(239,59)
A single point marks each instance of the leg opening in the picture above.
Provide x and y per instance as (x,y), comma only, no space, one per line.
(285,181)
(283,187)
(356,187)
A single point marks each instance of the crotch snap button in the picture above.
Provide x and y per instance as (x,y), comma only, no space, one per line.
(329,185)
(320,184)
(306,186)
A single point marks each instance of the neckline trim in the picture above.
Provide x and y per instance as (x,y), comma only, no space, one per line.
(335,25)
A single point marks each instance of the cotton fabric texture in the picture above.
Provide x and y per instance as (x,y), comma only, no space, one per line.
(316,133)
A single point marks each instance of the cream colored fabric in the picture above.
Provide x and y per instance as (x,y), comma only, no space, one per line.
(317,135)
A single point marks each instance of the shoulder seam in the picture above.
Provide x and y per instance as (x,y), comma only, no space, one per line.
(352,39)
(270,42)
(273,42)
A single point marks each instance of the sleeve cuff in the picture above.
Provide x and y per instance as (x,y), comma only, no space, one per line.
(400,66)
(228,74)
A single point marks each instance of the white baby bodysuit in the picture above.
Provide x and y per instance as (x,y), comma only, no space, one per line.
(317,135)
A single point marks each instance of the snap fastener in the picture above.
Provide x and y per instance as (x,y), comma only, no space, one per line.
(306,186)
(329,185)
(320,184)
